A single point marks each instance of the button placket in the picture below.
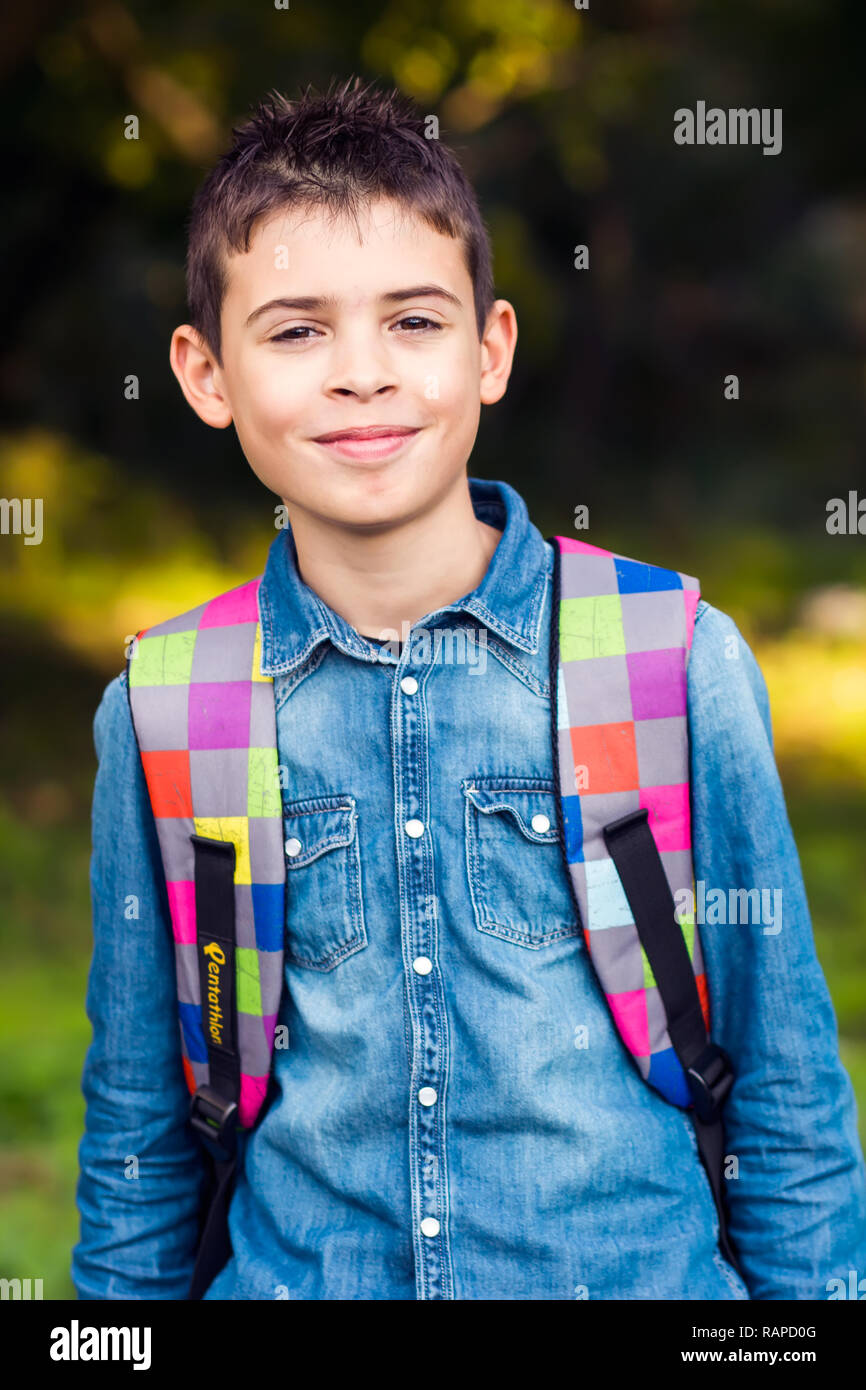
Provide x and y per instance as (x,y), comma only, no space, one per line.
(425,993)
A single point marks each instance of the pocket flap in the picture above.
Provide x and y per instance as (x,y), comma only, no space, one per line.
(313,827)
(533,808)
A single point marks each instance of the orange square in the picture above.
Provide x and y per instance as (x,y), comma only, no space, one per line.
(188,1074)
(609,755)
(167,774)
(701,982)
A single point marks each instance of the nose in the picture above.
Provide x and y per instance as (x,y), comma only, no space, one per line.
(360,367)
(364,390)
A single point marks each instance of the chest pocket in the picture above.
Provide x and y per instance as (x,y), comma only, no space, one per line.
(517,875)
(324,904)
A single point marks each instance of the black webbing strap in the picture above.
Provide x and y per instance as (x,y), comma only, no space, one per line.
(708,1070)
(214,1108)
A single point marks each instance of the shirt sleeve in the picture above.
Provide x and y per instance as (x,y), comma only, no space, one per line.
(797,1189)
(141,1170)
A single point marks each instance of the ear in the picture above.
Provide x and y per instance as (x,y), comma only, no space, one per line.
(200,377)
(497,351)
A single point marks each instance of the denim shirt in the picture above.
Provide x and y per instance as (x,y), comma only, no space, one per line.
(455,1115)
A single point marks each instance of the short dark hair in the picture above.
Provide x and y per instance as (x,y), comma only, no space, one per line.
(340,149)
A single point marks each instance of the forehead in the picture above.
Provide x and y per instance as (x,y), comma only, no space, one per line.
(313,251)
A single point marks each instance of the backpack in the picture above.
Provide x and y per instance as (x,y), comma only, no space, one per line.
(205,723)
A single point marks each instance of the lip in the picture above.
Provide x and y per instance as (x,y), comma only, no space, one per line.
(372,442)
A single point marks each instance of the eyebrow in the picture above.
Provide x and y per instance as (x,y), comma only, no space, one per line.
(308,303)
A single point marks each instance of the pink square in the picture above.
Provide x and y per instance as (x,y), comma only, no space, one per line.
(692,598)
(239,605)
(253,1089)
(657,680)
(181,902)
(669,817)
(630,1012)
(219,714)
(569,544)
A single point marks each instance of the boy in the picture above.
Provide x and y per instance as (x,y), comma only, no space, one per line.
(439,1127)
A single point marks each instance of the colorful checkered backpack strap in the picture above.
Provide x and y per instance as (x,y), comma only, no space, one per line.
(620,644)
(205,723)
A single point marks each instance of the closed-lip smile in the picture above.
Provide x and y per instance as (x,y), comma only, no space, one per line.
(368,443)
(366,432)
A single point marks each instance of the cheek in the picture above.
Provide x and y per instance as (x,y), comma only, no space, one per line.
(273,398)
(449,383)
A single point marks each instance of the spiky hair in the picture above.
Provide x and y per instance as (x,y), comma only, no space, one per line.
(339,150)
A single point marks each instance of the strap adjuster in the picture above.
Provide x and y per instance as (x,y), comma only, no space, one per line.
(215,1119)
(710,1078)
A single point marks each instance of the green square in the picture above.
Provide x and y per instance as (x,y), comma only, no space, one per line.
(247,974)
(649,979)
(591,627)
(688,927)
(165,660)
(263,795)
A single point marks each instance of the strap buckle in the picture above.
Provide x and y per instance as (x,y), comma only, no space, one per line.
(215,1119)
(710,1078)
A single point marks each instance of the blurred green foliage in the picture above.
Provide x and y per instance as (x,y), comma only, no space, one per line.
(702,262)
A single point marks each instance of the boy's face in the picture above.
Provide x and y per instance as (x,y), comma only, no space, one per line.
(294,373)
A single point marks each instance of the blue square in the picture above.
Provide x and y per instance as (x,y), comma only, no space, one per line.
(607,903)
(636,578)
(193,1035)
(573,821)
(269,915)
(667,1075)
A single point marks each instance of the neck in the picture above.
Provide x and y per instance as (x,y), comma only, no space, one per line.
(380,580)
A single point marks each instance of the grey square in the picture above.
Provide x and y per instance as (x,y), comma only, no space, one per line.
(599,686)
(267,857)
(617,958)
(218,780)
(245,927)
(184,622)
(587,575)
(186,970)
(176,850)
(566,762)
(161,716)
(662,750)
(271,980)
(263,724)
(678,867)
(224,653)
(253,1046)
(654,621)
(599,811)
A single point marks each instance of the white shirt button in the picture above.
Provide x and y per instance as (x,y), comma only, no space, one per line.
(414,828)
(540,823)
(430,1226)
(293,847)
(422,965)
(427,1095)
(408,685)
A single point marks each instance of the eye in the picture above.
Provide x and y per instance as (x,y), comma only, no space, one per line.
(420,319)
(288,334)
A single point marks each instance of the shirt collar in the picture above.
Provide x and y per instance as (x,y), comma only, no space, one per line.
(508,601)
